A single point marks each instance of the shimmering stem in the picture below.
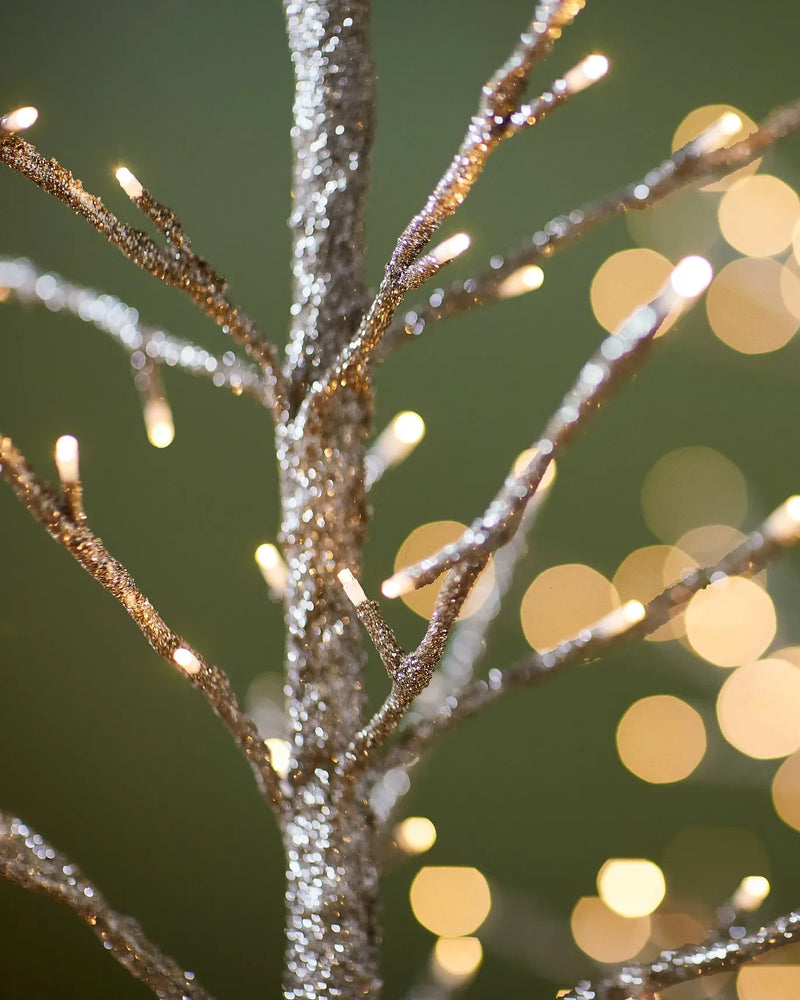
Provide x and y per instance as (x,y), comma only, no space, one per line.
(647,980)
(174,264)
(692,164)
(768,541)
(500,115)
(20,279)
(28,861)
(52,510)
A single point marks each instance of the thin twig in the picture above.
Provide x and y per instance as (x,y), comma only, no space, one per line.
(633,620)
(500,115)
(618,357)
(693,164)
(174,264)
(644,981)
(28,861)
(19,278)
(44,503)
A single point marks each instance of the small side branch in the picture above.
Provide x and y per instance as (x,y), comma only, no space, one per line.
(618,357)
(501,114)
(632,620)
(66,524)
(28,861)
(695,163)
(20,279)
(175,264)
(670,968)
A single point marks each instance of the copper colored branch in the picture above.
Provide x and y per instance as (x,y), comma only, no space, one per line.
(687,166)
(29,861)
(174,264)
(51,510)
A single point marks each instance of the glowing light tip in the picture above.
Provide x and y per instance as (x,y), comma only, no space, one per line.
(128,182)
(620,620)
(588,71)
(280,753)
(783,524)
(67,459)
(186,660)
(526,279)
(352,587)
(158,422)
(397,585)
(691,276)
(409,427)
(751,893)
(19,119)
(718,132)
(267,556)
(450,248)
(415,835)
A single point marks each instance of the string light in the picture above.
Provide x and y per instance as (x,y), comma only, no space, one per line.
(158,422)
(415,835)
(19,119)
(450,248)
(588,71)
(525,279)
(273,568)
(186,660)
(67,461)
(129,183)
(352,588)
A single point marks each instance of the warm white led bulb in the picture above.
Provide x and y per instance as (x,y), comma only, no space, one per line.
(186,660)
(618,621)
(67,459)
(690,277)
(408,427)
(587,72)
(19,119)
(352,587)
(450,248)
(783,524)
(272,566)
(158,422)
(716,135)
(128,182)
(525,279)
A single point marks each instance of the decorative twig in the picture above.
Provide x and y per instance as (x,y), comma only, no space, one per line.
(28,861)
(633,620)
(143,344)
(65,523)
(695,163)
(500,115)
(644,981)
(174,264)
(618,357)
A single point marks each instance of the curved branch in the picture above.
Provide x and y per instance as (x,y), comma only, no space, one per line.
(30,286)
(176,264)
(28,861)
(693,164)
(681,965)
(58,515)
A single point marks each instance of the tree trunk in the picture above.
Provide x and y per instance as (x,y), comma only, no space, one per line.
(332,874)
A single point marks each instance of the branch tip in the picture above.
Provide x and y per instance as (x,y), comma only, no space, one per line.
(158,421)
(751,893)
(783,524)
(273,568)
(717,134)
(690,277)
(352,588)
(19,119)
(67,459)
(618,621)
(187,661)
(525,279)
(450,248)
(588,71)
(129,183)
(397,585)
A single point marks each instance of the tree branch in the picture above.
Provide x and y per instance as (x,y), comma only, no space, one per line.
(634,620)
(618,357)
(670,968)
(142,344)
(694,163)
(28,861)
(58,515)
(500,115)
(174,264)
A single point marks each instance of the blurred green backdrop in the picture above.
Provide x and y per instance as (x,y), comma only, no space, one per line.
(104,750)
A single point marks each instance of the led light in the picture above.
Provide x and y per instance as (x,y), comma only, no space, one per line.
(129,184)
(619,620)
(280,752)
(588,71)
(450,249)
(186,660)
(67,459)
(783,524)
(690,277)
(19,119)
(273,568)
(158,422)
(415,835)
(751,893)
(397,585)
(525,279)
(352,587)
(408,427)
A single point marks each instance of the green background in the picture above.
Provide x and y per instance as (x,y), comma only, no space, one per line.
(104,750)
